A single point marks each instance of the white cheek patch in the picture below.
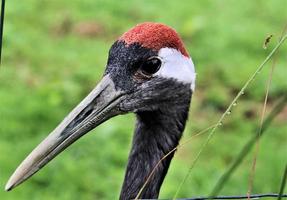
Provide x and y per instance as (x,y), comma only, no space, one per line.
(177,66)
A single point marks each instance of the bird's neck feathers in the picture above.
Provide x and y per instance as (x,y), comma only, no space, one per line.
(156,134)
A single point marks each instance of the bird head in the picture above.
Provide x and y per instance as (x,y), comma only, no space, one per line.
(148,69)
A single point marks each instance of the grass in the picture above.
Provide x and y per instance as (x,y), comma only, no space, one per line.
(49,64)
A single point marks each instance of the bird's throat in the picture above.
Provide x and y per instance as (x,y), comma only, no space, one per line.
(156,134)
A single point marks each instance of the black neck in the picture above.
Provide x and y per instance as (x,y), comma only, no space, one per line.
(157,133)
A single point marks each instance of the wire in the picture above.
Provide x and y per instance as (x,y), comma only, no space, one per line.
(253,196)
(2,26)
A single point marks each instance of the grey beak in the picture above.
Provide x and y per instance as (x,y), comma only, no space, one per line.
(100,105)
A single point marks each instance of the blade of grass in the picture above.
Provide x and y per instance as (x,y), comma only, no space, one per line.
(283,183)
(279,105)
(253,140)
(257,143)
(229,108)
(259,132)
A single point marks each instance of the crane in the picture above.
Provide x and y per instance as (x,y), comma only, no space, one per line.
(148,72)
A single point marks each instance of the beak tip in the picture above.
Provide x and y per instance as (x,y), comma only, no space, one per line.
(9,186)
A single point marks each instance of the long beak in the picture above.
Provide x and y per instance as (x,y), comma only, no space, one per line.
(100,105)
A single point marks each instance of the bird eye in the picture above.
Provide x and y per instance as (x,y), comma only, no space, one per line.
(150,66)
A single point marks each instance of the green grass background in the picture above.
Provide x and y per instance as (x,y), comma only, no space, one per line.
(55,52)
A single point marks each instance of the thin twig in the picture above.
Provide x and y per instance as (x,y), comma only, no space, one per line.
(2,26)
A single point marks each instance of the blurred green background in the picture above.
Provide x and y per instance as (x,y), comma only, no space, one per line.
(55,52)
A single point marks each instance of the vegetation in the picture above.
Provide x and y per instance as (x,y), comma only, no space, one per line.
(55,52)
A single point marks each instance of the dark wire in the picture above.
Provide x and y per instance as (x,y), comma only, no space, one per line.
(253,196)
(2,26)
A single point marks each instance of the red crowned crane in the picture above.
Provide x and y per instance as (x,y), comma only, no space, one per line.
(148,72)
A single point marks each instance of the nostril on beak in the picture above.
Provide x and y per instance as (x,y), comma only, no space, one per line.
(81,117)
(87,113)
